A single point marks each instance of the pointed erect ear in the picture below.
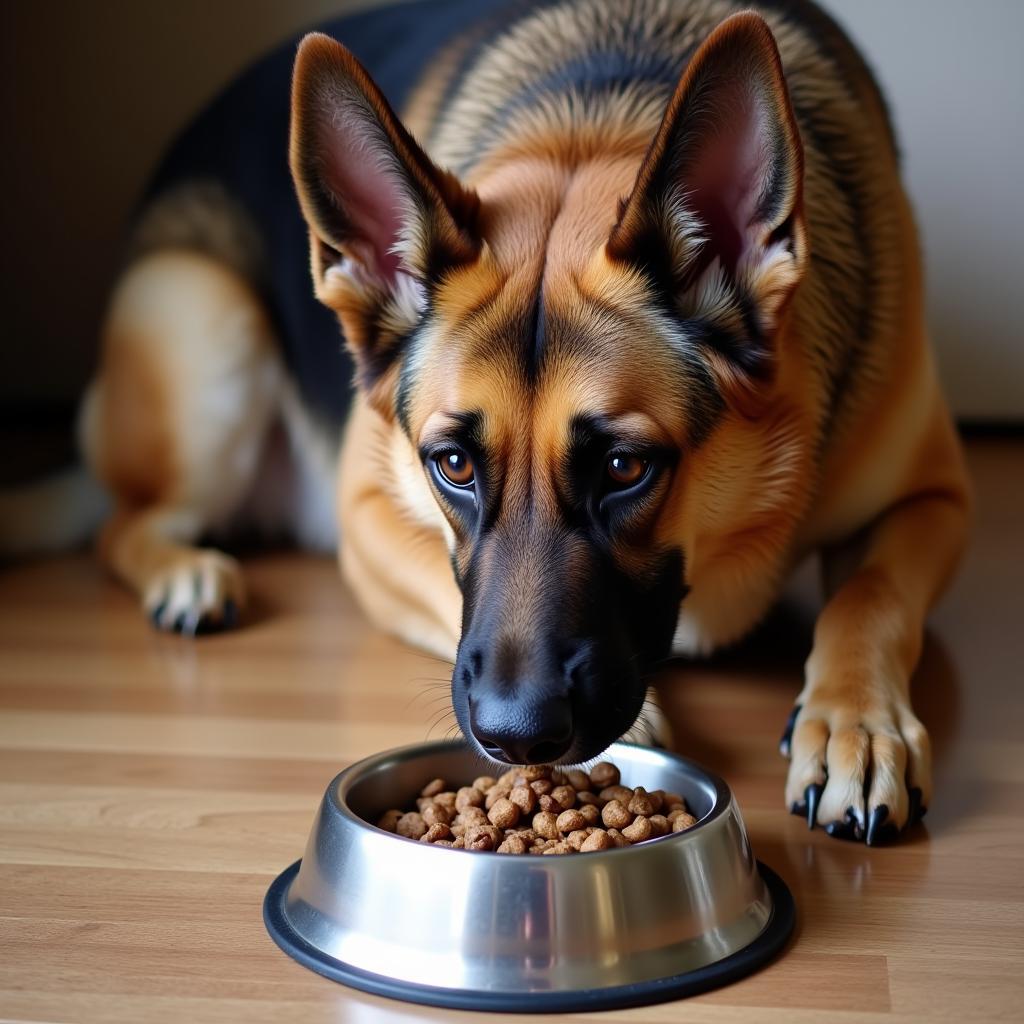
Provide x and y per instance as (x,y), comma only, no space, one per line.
(718,198)
(385,222)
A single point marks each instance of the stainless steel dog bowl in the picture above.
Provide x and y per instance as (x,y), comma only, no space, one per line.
(671,917)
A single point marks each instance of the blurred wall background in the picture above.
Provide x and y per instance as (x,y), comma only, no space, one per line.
(92,90)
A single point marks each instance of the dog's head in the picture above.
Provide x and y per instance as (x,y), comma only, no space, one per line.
(555,357)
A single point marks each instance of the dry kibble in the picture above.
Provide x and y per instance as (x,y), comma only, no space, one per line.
(640,803)
(597,840)
(683,822)
(524,798)
(536,809)
(435,832)
(411,825)
(638,831)
(437,813)
(558,848)
(621,793)
(513,844)
(504,813)
(565,795)
(570,821)
(545,824)
(604,774)
(616,837)
(468,796)
(576,839)
(432,788)
(496,793)
(615,815)
(389,820)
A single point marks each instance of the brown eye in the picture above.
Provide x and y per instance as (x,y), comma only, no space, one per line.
(456,467)
(626,470)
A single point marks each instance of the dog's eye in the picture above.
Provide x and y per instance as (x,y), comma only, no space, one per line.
(456,467)
(625,470)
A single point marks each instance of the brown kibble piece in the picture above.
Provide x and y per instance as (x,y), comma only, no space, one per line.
(446,799)
(590,813)
(615,815)
(657,798)
(545,824)
(570,821)
(604,774)
(683,822)
(433,787)
(435,812)
(435,832)
(584,797)
(576,839)
(578,779)
(669,800)
(459,843)
(483,837)
(542,787)
(621,793)
(597,840)
(565,795)
(617,838)
(640,803)
(524,798)
(639,831)
(660,825)
(411,825)
(500,791)
(472,816)
(389,820)
(513,844)
(533,772)
(549,803)
(468,796)
(676,812)
(557,848)
(484,782)
(509,778)
(503,814)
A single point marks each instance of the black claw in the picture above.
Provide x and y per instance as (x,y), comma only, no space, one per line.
(854,821)
(787,733)
(917,811)
(799,808)
(230,618)
(841,830)
(158,613)
(206,624)
(812,795)
(876,819)
(178,625)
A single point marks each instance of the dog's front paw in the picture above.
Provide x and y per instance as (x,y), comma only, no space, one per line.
(201,591)
(859,767)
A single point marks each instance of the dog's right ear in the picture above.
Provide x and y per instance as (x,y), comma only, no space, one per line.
(385,222)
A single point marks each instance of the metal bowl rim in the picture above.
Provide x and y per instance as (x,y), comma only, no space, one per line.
(348,777)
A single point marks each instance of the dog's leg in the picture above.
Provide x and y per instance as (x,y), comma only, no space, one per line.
(174,425)
(861,762)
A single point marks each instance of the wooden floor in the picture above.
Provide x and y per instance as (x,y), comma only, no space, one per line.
(150,789)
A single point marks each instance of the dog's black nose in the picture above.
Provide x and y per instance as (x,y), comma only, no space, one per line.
(523,732)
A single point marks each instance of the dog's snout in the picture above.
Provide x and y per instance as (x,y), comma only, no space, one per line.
(523,731)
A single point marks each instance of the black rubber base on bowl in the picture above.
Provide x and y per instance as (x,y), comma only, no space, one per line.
(739,964)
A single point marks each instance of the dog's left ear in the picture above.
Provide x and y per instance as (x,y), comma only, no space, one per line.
(386,223)
(718,198)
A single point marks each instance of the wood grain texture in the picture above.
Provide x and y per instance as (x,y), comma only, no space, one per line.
(151,788)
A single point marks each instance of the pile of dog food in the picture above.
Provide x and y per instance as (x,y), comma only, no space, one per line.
(540,810)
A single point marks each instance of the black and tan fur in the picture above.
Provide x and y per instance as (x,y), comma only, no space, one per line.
(673,229)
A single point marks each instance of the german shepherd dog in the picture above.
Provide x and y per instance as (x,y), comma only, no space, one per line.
(633,298)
